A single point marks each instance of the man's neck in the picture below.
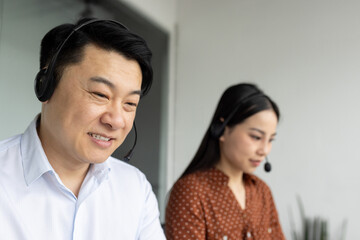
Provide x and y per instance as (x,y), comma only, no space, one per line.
(71,173)
(71,178)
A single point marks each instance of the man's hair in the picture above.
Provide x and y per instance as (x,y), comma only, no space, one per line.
(108,35)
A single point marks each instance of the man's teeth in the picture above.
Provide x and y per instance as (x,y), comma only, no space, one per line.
(99,137)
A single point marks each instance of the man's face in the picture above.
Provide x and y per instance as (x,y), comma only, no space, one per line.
(92,109)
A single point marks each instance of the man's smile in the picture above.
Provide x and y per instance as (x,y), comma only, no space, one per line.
(100,137)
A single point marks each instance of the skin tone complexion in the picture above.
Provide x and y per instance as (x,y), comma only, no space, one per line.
(90,113)
(244,146)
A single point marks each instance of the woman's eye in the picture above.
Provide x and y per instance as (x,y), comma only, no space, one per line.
(255,137)
(272,139)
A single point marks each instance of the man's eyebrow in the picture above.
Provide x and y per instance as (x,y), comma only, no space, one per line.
(136,92)
(261,131)
(103,80)
(111,85)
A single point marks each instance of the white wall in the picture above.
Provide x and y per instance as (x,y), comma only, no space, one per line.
(161,12)
(305,55)
(19,56)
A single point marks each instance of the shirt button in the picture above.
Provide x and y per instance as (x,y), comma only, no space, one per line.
(248,234)
(269,230)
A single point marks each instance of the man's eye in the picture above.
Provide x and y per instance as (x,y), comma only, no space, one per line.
(100,95)
(132,104)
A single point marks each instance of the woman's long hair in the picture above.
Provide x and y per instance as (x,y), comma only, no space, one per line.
(237,103)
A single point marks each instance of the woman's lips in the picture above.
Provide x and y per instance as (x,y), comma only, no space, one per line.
(255,163)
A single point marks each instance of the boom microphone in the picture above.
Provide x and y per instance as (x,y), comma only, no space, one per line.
(130,153)
(267,165)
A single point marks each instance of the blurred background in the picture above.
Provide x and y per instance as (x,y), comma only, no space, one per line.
(304,54)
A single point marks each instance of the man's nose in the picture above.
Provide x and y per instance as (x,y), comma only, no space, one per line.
(114,117)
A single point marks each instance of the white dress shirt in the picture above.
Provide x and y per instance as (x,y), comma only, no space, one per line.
(115,200)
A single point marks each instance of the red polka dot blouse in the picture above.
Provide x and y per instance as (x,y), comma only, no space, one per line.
(202,206)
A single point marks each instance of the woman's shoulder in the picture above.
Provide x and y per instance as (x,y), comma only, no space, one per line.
(195,182)
(257,182)
(260,189)
(197,178)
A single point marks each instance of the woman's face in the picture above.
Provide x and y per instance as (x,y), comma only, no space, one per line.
(244,146)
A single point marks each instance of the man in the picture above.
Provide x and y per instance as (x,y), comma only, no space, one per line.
(58,180)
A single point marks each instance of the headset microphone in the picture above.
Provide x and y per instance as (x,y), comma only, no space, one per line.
(130,153)
(267,165)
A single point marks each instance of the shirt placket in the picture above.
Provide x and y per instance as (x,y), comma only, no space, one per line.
(248,232)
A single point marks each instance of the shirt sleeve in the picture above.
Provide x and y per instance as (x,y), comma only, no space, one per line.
(150,227)
(184,218)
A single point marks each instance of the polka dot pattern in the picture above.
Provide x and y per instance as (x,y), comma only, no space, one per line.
(202,206)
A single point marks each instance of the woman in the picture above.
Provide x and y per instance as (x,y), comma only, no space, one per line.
(217,197)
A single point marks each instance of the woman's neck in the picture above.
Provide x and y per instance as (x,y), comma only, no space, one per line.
(235,175)
(236,182)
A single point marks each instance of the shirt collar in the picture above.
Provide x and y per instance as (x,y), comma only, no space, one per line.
(35,162)
(100,170)
(219,177)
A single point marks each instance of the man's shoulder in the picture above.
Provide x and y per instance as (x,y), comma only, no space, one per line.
(128,179)
(9,143)
(10,158)
(120,165)
(122,170)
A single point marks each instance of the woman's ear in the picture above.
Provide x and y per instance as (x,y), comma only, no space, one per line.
(221,138)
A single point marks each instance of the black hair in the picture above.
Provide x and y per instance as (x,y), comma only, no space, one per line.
(108,35)
(237,103)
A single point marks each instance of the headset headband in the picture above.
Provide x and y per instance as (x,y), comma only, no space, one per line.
(44,82)
(218,128)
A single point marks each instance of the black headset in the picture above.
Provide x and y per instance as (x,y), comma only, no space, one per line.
(218,127)
(44,84)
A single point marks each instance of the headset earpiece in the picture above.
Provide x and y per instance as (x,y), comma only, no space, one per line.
(217,129)
(44,81)
(44,85)
(40,84)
